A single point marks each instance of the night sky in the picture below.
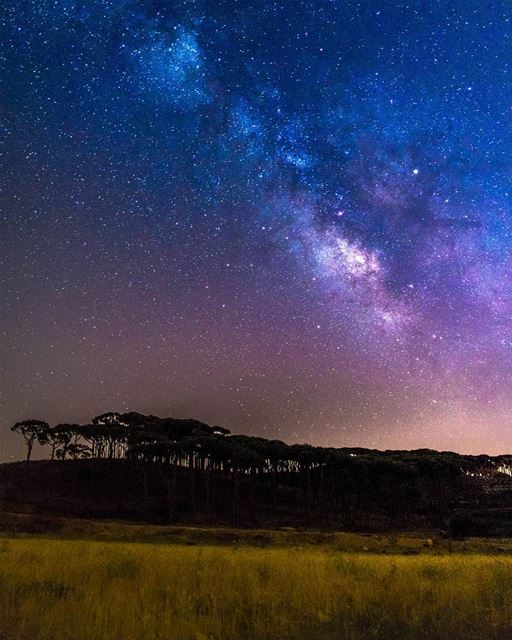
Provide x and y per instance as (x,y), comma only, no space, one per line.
(292,218)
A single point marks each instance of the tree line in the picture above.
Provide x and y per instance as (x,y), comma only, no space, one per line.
(331,484)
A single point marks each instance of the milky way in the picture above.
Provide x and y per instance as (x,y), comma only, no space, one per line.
(290,218)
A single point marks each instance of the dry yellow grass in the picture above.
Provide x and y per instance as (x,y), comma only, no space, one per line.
(71,590)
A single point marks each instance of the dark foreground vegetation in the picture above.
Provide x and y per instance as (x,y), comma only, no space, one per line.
(163,470)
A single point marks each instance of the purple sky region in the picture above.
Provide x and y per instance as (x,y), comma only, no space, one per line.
(292,219)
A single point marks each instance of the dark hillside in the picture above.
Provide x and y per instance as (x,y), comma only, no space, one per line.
(158,493)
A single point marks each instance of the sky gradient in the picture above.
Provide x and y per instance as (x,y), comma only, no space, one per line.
(293,219)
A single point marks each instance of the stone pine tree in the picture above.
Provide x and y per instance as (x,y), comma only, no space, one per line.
(32,431)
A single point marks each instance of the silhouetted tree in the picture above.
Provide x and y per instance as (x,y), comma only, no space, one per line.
(64,434)
(32,431)
(75,452)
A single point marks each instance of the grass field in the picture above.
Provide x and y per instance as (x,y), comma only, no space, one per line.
(55,589)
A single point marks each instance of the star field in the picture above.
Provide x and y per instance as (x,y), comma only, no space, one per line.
(290,218)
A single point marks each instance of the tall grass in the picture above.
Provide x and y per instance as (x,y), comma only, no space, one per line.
(70,590)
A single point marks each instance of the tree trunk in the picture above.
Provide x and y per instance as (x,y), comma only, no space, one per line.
(30,444)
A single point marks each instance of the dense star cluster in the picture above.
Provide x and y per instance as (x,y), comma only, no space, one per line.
(290,218)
